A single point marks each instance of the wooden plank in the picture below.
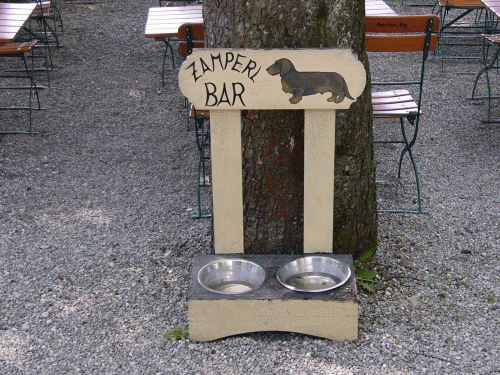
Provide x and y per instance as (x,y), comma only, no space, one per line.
(227,181)
(6,37)
(319,162)
(395,106)
(16,48)
(17,6)
(383,94)
(18,17)
(400,24)
(392,99)
(272,79)
(183,8)
(334,320)
(379,12)
(398,43)
(492,38)
(462,4)
(393,113)
(15,23)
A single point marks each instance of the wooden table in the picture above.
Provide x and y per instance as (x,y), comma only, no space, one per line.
(164,22)
(13,16)
(493,6)
(378,8)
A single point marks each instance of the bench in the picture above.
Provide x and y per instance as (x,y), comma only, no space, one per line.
(19,50)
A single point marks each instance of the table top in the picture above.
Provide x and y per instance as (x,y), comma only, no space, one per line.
(164,22)
(461,4)
(378,8)
(12,18)
(493,6)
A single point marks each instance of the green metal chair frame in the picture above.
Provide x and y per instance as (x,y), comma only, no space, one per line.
(396,34)
(192,36)
(490,61)
(20,50)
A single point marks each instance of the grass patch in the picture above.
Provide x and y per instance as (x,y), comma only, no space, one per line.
(490,297)
(366,278)
(178,333)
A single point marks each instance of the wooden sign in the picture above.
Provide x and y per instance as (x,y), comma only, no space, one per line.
(226,81)
(272,79)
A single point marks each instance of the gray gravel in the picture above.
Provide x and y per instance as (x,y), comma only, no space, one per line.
(97,239)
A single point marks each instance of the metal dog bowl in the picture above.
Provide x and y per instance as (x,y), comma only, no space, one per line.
(231,276)
(313,274)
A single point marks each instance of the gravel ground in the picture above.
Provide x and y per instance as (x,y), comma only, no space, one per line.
(97,239)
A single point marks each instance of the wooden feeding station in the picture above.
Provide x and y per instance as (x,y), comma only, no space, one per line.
(226,81)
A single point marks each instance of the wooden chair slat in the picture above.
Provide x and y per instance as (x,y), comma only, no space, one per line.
(395,106)
(384,94)
(462,4)
(393,113)
(392,99)
(400,24)
(398,43)
(16,48)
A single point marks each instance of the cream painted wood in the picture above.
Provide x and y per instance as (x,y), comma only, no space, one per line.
(319,163)
(227,181)
(250,79)
(226,81)
(214,319)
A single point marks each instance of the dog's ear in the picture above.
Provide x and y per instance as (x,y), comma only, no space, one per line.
(285,66)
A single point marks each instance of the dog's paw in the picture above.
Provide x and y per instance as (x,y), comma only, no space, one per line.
(295,99)
(335,98)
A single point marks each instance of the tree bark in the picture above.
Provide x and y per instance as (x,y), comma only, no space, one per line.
(273,141)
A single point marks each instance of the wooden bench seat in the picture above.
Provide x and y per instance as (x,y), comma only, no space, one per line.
(390,104)
(461,4)
(16,48)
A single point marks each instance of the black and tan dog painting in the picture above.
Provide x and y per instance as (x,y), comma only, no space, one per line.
(301,84)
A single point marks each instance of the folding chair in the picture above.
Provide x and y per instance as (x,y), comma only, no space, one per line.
(402,34)
(192,35)
(19,50)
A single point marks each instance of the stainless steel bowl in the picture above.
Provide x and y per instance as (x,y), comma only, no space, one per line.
(313,274)
(231,276)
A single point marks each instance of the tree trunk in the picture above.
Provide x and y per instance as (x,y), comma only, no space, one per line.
(273,141)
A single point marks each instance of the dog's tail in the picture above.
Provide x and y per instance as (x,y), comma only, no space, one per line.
(346,91)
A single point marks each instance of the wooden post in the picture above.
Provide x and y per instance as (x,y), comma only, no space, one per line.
(319,161)
(227,185)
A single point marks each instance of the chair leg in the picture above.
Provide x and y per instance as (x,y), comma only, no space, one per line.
(168,47)
(33,91)
(485,70)
(202,134)
(407,149)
